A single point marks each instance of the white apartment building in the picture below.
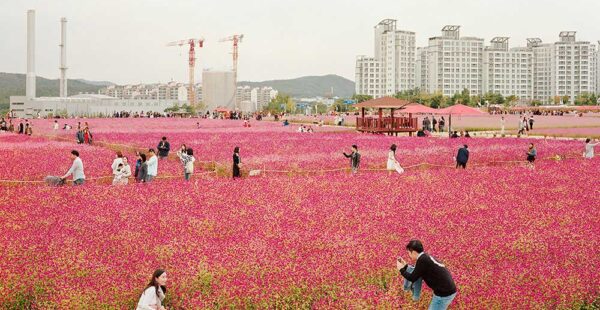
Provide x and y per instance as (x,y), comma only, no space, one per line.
(170,91)
(564,68)
(421,68)
(454,63)
(256,98)
(508,71)
(392,69)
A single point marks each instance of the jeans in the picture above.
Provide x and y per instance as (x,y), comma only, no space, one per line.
(78,182)
(415,287)
(441,303)
(187,176)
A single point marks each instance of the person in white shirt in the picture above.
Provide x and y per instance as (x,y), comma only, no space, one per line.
(76,169)
(502,123)
(392,162)
(154,293)
(152,166)
(116,162)
(55,125)
(123,172)
(589,148)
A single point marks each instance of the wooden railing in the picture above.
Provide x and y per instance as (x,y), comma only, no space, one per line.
(386,124)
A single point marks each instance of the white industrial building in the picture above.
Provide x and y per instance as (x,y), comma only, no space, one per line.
(392,69)
(508,71)
(218,89)
(30,105)
(454,63)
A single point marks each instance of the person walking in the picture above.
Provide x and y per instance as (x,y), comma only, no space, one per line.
(123,172)
(143,173)
(589,148)
(428,269)
(531,122)
(237,163)
(163,148)
(76,169)
(21,128)
(354,158)
(152,166)
(187,160)
(531,154)
(392,162)
(462,157)
(138,165)
(434,122)
(442,124)
(55,125)
(154,293)
(79,135)
(87,136)
(502,124)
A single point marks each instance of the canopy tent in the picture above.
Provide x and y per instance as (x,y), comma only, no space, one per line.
(417,108)
(222,110)
(458,109)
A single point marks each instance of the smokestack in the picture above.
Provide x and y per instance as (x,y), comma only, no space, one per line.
(30,90)
(63,57)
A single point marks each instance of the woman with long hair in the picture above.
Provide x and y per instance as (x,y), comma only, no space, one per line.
(154,293)
(237,161)
(143,173)
(392,162)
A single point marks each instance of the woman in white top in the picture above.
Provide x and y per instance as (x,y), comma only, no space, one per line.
(123,173)
(392,163)
(589,148)
(118,160)
(155,291)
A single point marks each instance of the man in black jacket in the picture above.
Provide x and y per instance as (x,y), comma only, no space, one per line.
(163,148)
(354,158)
(434,273)
(462,157)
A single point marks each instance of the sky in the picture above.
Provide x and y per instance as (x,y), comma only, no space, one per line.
(124,41)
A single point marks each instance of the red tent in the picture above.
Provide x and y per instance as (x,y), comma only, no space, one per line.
(222,110)
(416,108)
(460,109)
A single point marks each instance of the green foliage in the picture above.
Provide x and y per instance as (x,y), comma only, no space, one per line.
(281,103)
(586,99)
(174,108)
(361,98)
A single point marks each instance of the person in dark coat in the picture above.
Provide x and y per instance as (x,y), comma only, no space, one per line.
(354,158)
(462,157)
(143,173)
(21,128)
(237,161)
(163,148)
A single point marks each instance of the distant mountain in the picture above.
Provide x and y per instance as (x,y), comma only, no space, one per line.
(309,86)
(96,83)
(13,84)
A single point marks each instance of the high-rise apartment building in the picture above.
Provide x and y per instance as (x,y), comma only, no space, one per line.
(392,69)
(508,71)
(454,63)
(565,68)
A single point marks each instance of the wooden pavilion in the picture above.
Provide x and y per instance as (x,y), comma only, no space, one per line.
(391,124)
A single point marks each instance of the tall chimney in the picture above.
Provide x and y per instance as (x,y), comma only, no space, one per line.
(30,90)
(63,57)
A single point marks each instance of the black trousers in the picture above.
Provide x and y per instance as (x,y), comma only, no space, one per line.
(463,165)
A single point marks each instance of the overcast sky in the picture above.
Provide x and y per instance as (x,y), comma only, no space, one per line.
(123,41)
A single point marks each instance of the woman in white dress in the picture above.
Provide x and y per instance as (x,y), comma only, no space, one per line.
(116,162)
(123,172)
(392,162)
(589,148)
(155,291)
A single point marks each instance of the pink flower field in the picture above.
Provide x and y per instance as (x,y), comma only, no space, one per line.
(512,237)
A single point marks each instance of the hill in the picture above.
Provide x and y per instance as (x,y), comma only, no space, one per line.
(13,84)
(309,86)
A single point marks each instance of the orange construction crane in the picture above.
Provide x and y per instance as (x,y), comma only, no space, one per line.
(235,39)
(192,64)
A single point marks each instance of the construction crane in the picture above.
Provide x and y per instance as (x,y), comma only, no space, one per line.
(192,63)
(237,38)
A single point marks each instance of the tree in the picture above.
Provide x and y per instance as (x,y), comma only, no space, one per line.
(174,108)
(566,99)
(437,100)
(361,98)
(510,100)
(281,103)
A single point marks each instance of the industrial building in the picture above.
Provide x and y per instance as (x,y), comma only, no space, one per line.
(30,106)
(218,89)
